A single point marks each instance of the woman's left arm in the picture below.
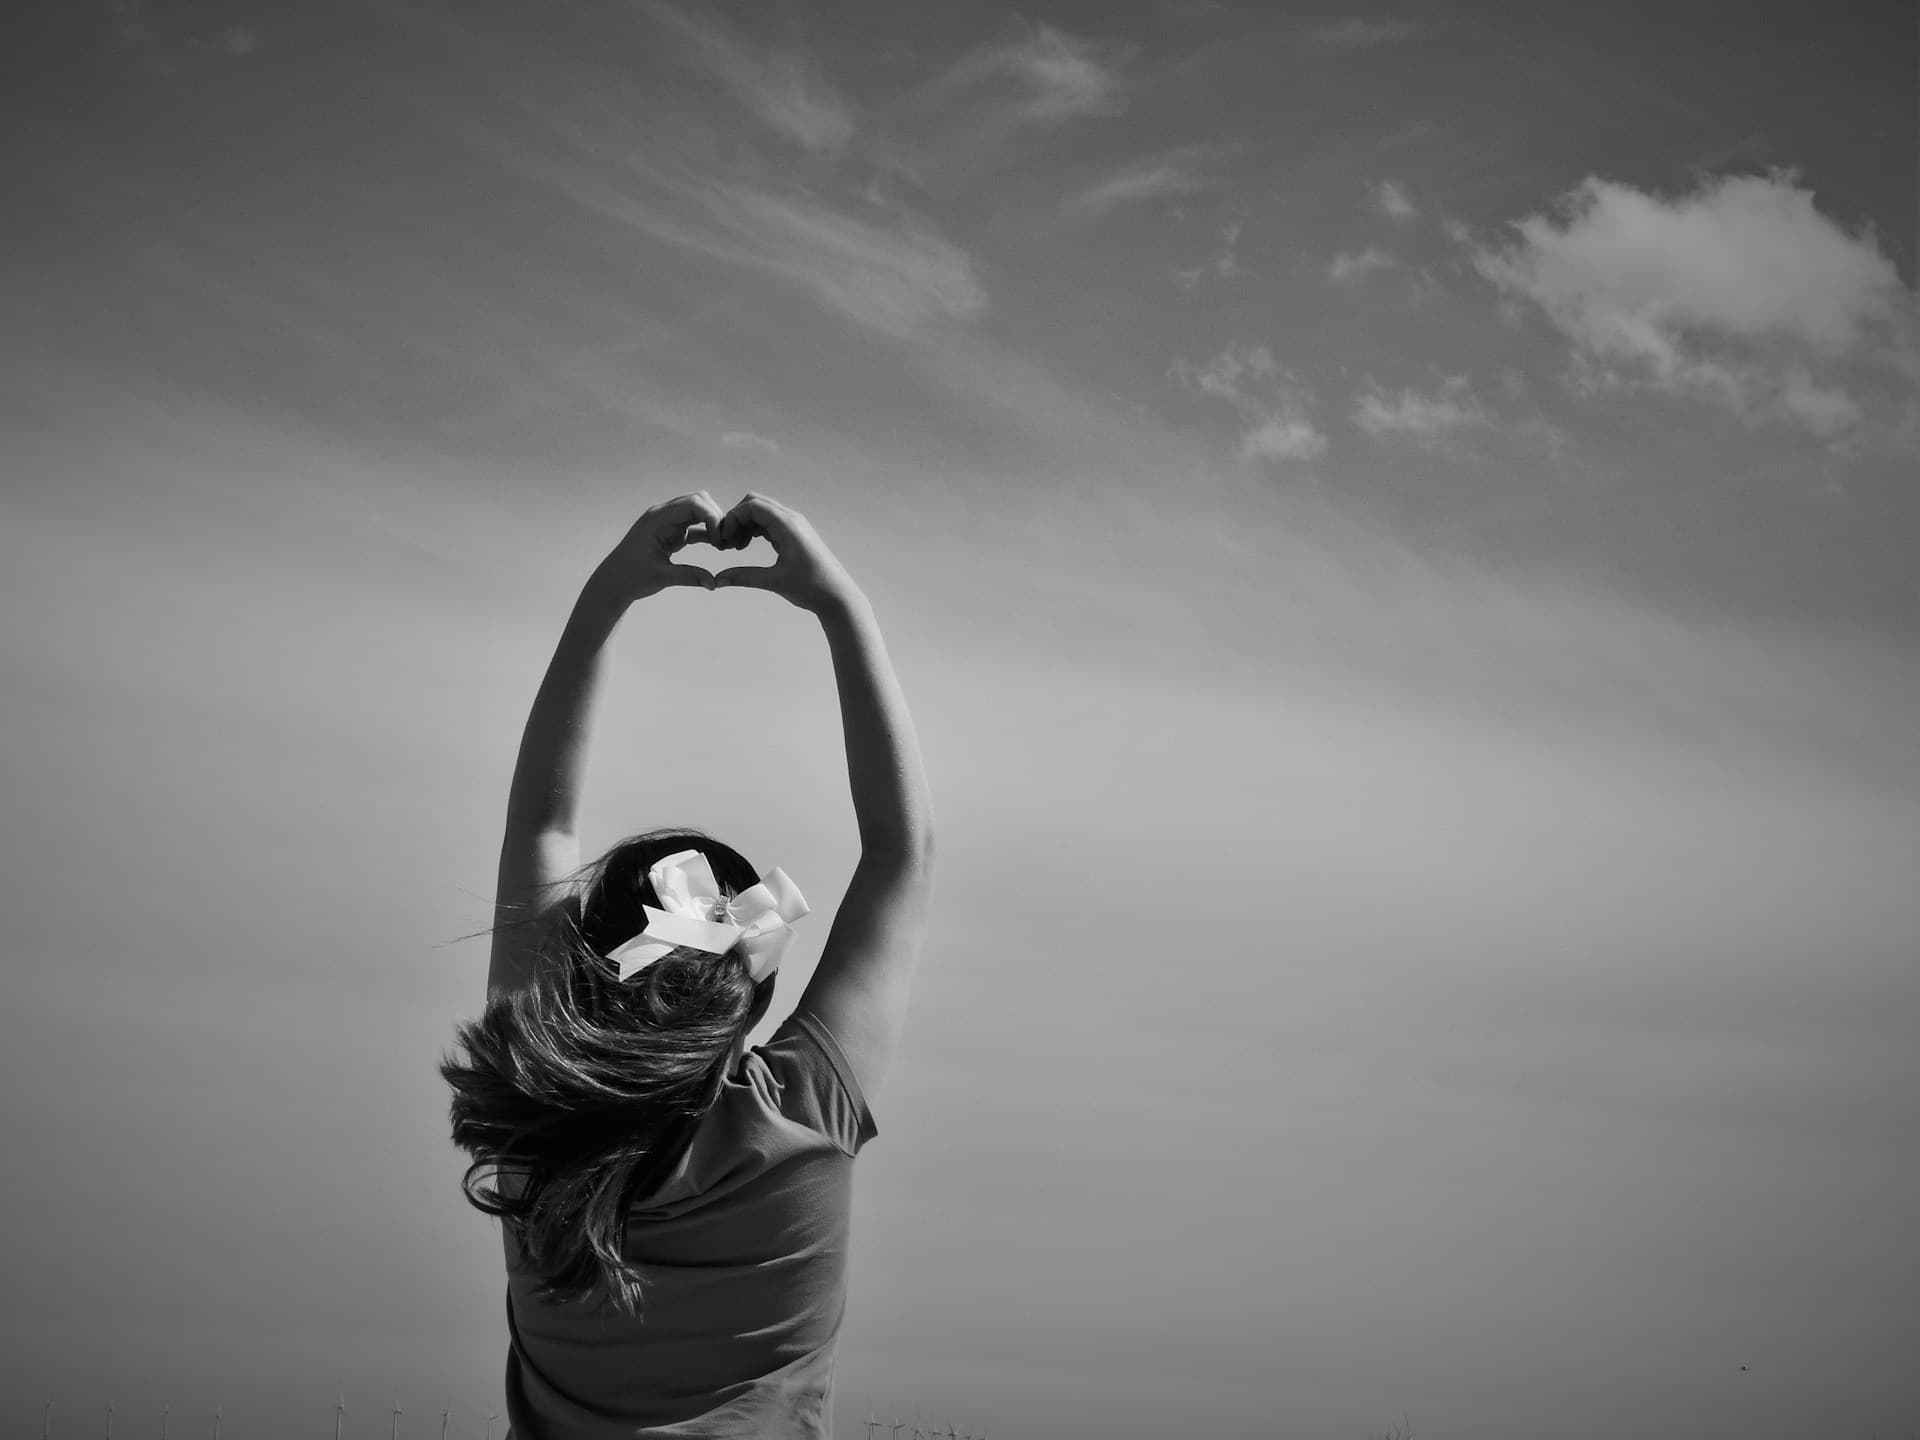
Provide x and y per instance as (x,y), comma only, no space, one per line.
(541,846)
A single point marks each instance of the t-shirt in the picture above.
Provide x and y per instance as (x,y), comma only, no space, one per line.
(743,1250)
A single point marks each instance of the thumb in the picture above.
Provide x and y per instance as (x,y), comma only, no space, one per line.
(690,575)
(745,577)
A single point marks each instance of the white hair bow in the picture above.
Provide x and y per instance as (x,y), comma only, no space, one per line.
(757,919)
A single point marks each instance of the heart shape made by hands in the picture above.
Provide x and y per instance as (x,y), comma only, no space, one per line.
(749,552)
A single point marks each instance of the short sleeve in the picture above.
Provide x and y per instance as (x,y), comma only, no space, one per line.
(818,1088)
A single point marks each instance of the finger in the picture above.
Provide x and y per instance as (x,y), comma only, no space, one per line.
(736,532)
(680,510)
(673,517)
(690,575)
(753,515)
(745,577)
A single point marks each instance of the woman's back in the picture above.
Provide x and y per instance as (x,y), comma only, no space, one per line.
(744,1250)
(660,1282)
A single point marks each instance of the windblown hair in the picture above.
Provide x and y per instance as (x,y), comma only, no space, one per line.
(586,1089)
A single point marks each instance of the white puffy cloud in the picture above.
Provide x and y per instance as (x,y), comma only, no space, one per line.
(1425,416)
(1283,437)
(748,442)
(1272,403)
(1741,293)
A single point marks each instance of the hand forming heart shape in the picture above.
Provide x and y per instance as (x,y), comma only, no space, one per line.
(804,571)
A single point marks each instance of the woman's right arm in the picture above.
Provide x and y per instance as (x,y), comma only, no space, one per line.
(861,986)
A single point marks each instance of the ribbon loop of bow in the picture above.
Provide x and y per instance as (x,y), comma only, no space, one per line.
(693,913)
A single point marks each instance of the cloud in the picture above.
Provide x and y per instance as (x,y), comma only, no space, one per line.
(1272,403)
(1352,267)
(1741,293)
(1284,436)
(1358,33)
(748,442)
(1179,171)
(782,91)
(892,274)
(891,277)
(739,203)
(1428,417)
(1225,265)
(1229,374)
(1745,256)
(168,49)
(1394,202)
(1825,411)
(1038,75)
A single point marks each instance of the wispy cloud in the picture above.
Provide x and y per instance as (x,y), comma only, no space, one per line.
(1178,171)
(1394,201)
(1038,75)
(1425,416)
(883,268)
(1351,267)
(894,275)
(747,442)
(1356,32)
(783,91)
(891,276)
(1741,293)
(1273,404)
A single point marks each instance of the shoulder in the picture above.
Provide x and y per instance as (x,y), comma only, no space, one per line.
(816,1082)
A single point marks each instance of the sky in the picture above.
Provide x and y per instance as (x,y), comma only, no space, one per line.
(1397,526)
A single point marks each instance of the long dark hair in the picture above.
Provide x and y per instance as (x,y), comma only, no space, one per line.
(586,1087)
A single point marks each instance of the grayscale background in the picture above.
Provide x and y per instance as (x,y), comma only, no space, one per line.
(1398,527)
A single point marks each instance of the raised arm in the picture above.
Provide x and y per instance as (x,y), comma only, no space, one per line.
(861,987)
(541,846)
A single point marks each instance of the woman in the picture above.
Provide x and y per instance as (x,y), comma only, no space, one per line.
(677,1205)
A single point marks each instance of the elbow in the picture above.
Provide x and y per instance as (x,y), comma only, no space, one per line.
(920,834)
(907,847)
(921,849)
